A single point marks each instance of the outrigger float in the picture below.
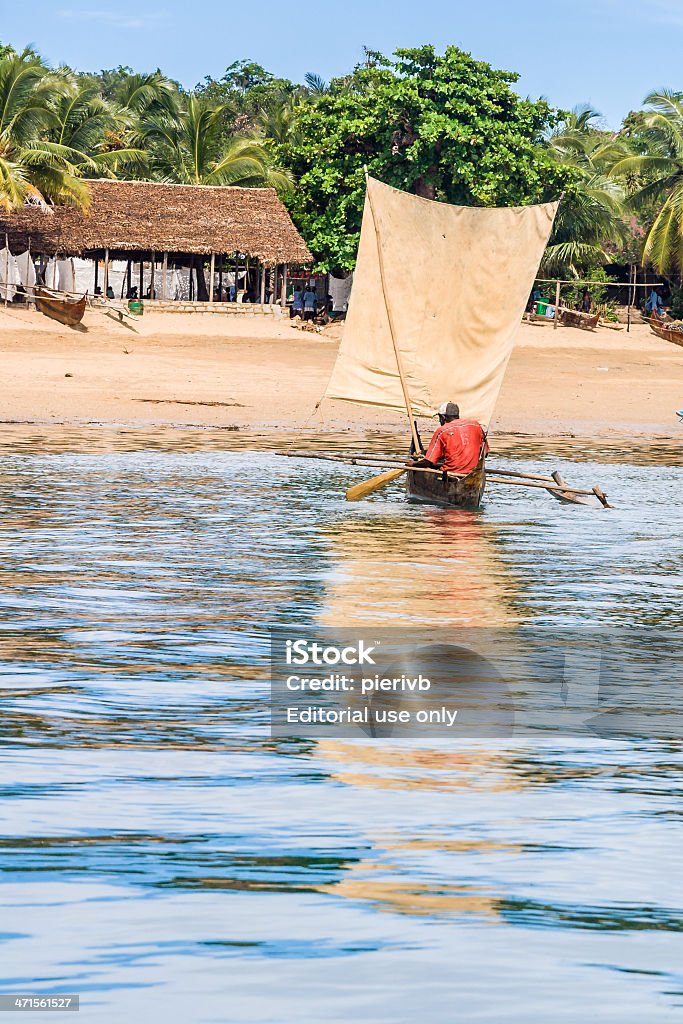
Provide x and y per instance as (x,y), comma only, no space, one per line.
(418,331)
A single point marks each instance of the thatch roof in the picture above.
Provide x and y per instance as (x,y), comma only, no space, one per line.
(142,216)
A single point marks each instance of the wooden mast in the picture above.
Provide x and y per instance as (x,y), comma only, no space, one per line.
(390,318)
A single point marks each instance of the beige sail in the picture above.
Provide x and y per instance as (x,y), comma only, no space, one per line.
(457,280)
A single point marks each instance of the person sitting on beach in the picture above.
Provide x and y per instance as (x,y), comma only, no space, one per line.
(456,445)
(310,302)
(654,305)
(297,307)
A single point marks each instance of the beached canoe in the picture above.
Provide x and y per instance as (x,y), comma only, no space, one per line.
(445,489)
(60,307)
(667,333)
(575,318)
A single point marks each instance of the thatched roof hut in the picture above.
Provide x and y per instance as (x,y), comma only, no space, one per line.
(140,216)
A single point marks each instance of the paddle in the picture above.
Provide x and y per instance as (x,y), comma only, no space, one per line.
(359,491)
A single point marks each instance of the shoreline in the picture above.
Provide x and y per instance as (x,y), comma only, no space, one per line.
(265,377)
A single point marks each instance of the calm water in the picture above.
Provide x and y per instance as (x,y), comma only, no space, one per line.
(161,855)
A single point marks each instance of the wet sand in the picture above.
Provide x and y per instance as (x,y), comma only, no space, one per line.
(257,374)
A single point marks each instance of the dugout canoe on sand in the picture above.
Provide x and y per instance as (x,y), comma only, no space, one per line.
(420,330)
(576,318)
(59,306)
(667,332)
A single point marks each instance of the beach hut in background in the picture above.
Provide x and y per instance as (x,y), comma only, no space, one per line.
(181,246)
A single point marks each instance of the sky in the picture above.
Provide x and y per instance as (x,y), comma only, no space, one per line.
(608,53)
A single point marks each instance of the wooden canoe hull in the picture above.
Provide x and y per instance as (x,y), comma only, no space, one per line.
(666,333)
(439,489)
(575,318)
(61,308)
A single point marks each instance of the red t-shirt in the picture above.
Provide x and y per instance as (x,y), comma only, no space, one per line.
(458,444)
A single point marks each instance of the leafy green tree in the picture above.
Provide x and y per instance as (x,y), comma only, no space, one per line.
(445,127)
(244,92)
(31,163)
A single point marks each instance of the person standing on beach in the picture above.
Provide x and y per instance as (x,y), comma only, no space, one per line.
(586,301)
(456,445)
(310,301)
(297,307)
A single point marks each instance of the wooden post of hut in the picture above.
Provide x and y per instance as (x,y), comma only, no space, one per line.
(106,273)
(283,294)
(211,273)
(163,280)
(631,294)
(141,281)
(263,285)
(6,267)
(151,280)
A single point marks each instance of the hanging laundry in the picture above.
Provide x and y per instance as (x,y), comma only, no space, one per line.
(9,275)
(66,275)
(27,273)
(51,274)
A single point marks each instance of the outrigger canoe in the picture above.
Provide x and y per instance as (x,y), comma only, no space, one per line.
(60,307)
(412,339)
(448,489)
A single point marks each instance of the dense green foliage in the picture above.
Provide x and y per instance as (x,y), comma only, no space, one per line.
(444,126)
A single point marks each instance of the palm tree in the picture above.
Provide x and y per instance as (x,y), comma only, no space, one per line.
(660,174)
(32,165)
(277,119)
(316,84)
(591,213)
(190,147)
(141,95)
(89,127)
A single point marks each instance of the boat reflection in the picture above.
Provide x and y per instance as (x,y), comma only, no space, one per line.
(427,566)
(436,568)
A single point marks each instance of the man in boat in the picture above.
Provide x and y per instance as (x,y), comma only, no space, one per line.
(456,445)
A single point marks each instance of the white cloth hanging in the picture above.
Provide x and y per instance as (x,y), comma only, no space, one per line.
(9,275)
(85,276)
(26,272)
(51,274)
(66,275)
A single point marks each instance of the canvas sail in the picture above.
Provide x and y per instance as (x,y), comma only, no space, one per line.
(457,280)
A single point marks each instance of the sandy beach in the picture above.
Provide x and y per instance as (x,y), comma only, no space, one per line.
(256,373)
